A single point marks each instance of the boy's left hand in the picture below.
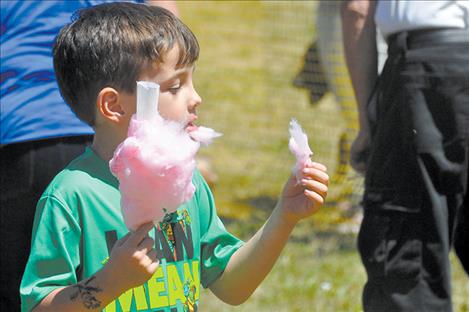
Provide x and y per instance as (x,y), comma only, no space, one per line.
(301,200)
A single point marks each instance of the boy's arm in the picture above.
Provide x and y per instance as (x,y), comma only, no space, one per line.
(251,263)
(132,259)
(359,39)
(92,294)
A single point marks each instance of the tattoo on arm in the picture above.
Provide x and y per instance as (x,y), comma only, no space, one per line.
(87,294)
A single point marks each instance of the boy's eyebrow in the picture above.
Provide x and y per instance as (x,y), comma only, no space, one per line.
(178,72)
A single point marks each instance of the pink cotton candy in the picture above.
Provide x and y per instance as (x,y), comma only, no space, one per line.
(154,166)
(299,147)
(204,135)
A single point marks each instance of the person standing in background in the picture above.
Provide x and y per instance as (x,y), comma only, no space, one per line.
(324,70)
(39,133)
(413,147)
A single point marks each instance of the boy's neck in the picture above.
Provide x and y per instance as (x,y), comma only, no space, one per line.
(105,144)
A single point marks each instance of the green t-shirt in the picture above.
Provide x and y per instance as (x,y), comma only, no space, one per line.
(78,220)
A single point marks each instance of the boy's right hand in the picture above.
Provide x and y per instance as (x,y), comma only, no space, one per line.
(133,259)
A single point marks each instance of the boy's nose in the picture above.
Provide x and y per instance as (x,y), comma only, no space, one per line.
(196,100)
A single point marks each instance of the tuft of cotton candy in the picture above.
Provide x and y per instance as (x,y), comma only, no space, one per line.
(154,164)
(299,147)
(204,135)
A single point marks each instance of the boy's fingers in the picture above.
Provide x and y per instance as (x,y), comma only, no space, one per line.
(152,255)
(146,244)
(316,165)
(314,196)
(121,241)
(315,186)
(316,174)
(137,237)
(153,266)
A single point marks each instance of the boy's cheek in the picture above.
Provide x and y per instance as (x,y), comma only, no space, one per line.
(171,111)
(163,105)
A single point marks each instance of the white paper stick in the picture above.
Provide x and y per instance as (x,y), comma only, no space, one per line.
(147,100)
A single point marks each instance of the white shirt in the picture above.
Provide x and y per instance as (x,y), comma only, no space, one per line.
(393,16)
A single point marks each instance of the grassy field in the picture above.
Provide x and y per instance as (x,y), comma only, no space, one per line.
(250,52)
(244,76)
(318,271)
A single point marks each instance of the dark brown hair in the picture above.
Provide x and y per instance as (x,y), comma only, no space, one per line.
(109,45)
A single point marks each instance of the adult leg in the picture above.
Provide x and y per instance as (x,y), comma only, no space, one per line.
(391,235)
(416,181)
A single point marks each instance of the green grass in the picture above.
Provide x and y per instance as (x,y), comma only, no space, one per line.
(244,75)
(319,276)
(250,52)
(319,270)
(304,279)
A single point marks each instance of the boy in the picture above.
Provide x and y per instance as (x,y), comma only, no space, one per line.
(77,261)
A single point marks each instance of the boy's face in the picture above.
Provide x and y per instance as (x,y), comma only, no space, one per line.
(178,99)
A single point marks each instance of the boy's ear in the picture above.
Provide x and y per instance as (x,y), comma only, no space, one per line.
(109,104)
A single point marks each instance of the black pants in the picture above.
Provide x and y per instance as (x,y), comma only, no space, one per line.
(416,186)
(26,170)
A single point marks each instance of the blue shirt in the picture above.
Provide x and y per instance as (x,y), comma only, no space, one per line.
(31,107)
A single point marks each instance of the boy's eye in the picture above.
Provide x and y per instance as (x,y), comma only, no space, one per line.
(174,89)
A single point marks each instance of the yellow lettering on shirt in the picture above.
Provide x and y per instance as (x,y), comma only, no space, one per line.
(156,289)
(125,300)
(140,299)
(195,272)
(175,289)
(159,296)
(111,307)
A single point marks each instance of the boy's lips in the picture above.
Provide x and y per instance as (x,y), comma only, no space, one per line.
(190,126)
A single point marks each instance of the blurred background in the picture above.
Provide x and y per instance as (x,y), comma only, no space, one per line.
(261,64)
